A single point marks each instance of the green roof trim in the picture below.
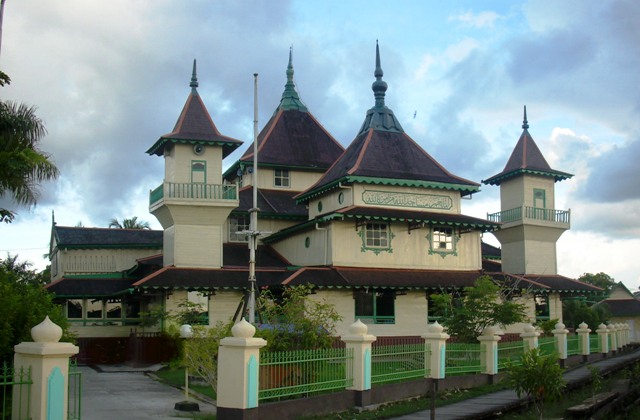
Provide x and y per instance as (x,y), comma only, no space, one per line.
(288,231)
(487,227)
(468,189)
(163,140)
(557,175)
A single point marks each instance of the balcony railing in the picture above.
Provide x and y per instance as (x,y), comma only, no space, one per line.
(531,213)
(194,191)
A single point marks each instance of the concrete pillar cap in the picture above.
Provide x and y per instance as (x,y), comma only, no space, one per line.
(583,326)
(243,329)
(358,328)
(435,328)
(529,328)
(46,332)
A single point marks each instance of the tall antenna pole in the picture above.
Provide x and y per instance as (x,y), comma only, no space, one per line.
(253,222)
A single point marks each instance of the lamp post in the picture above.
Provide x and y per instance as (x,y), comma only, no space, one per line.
(186,332)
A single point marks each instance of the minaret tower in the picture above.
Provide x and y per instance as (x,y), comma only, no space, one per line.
(192,203)
(531,225)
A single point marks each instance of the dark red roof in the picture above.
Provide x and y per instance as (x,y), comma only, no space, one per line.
(202,278)
(85,237)
(526,158)
(237,255)
(563,284)
(89,287)
(272,203)
(295,139)
(622,307)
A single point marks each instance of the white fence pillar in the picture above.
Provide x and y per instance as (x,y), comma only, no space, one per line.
(360,342)
(530,337)
(603,336)
(489,340)
(48,360)
(614,337)
(585,345)
(436,338)
(238,373)
(560,334)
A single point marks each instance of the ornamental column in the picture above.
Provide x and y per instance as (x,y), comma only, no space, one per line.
(359,342)
(436,341)
(530,337)
(603,337)
(560,334)
(48,360)
(583,334)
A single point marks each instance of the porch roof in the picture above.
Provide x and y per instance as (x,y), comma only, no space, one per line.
(622,307)
(558,283)
(87,287)
(209,279)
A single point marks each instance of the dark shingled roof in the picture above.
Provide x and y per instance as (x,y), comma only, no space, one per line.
(490,251)
(382,150)
(622,307)
(292,138)
(195,126)
(83,237)
(526,158)
(560,283)
(89,287)
(201,278)
(272,204)
(385,278)
(237,255)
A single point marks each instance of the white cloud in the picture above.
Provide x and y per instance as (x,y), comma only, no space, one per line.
(476,20)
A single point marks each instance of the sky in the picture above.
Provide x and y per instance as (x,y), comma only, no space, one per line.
(109,78)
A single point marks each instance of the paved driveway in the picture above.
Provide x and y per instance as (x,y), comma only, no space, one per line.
(115,395)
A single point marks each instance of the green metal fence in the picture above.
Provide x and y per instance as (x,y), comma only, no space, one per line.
(547,345)
(15,383)
(464,358)
(573,345)
(510,352)
(74,394)
(304,372)
(401,362)
(594,343)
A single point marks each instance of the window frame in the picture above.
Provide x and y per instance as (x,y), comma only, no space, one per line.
(233,236)
(451,238)
(368,232)
(282,178)
(379,298)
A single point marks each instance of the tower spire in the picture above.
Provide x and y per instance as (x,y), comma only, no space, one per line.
(525,123)
(290,99)
(379,87)
(194,79)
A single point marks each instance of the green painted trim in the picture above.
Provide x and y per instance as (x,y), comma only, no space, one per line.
(114,276)
(362,233)
(404,200)
(556,175)
(55,395)
(544,197)
(489,226)
(252,382)
(164,140)
(464,188)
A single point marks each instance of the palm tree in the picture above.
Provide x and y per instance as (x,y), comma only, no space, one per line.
(132,223)
(22,165)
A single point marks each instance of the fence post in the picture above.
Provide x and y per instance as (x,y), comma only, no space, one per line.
(360,342)
(49,363)
(626,333)
(436,339)
(614,337)
(489,340)
(530,337)
(603,333)
(238,373)
(560,334)
(620,330)
(583,332)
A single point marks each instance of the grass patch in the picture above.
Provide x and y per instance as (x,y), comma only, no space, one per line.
(175,377)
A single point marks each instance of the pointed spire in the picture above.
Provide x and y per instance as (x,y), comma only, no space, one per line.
(290,99)
(379,87)
(525,123)
(194,79)
(380,117)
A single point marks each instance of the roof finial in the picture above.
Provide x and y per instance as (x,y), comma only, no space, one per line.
(194,78)
(525,123)
(379,87)
(290,99)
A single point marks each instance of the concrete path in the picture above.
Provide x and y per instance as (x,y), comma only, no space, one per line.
(132,395)
(488,405)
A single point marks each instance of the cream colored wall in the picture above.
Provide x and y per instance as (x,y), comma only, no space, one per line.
(518,191)
(528,249)
(331,202)
(295,250)
(197,246)
(94,261)
(410,250)
(555,306)
(620,293)
(634,326)
(264,225)
(223,305)
(178,163)
(298,180)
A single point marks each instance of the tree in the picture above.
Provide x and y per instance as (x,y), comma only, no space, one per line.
(200,352)
(132,223)
(575,312)
(602,280)
(22,165)
(24,303)
(296,321)
(538,376)
(482,305)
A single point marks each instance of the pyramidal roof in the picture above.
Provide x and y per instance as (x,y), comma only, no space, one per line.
(292,138)
(382,153)
(195,126)
(526,158)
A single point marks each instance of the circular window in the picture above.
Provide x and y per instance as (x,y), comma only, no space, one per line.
(307,242)
(319,206)
(198,149)
(341,198)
